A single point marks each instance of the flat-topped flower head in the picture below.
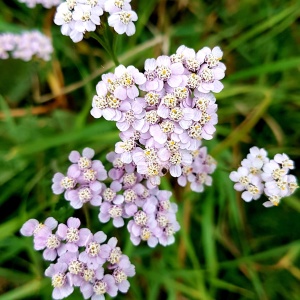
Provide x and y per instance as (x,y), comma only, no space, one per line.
(45,3)
(260,175)
(73,236)
(210,57)
(60,281)
(114,6)
(122,21)
(95,253)
(84,162)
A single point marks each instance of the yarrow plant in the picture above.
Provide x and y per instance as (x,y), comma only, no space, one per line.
(45,3)
(76,17)
(80,259)
(164,115)
(25,46)
(259,175)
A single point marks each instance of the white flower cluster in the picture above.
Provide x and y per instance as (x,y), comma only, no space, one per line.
(45,3)
(79,16)
(258,174)
(25,46)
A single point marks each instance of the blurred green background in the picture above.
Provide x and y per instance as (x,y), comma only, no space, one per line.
(226,248)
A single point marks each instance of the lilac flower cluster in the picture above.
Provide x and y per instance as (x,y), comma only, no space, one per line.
(162,126)
(153,216)
(83,182)
(79,16)
(258,174)
(25,46)
(45,3)
(81,259)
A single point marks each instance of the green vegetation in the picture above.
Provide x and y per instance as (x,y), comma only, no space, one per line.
(226,248)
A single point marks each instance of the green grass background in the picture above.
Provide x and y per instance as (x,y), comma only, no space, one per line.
(226,248)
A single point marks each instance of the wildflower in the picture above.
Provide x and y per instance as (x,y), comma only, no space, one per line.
(122,21)
(95,254)
(72,235)
(60,281)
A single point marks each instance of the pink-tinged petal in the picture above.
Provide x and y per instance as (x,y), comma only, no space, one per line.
(120,93)
(123,126)
(209,129)
(29,227)
(185,124)
(120,28)
(218,86)
(135,240)
(96,200)
(62,230)
(96,186)
(136,230)
(100,237)
(105,251)
(50,254)
(74,156)
(119,199)
(174,80)
(51,223)
(73,222)
(118,222)
(218,73)
(175,170)
(71,247)
(177,68)
(124,286)
(163,154)
(84,237)
(96,113)
(152,85)
(152,242)
(132,92)
(163,111)
(268,204)
(88,153)
(126,157)
(247,196)
(182,181)
(109,114)
(112,242)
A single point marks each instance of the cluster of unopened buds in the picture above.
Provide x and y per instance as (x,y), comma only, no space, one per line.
(82,259)
(79,16)
(258,174)
(25,46)
(164,113)
(45,3)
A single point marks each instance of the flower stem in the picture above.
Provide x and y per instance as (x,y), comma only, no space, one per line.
(104,42)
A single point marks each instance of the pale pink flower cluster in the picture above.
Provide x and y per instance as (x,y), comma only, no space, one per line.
(81,259)
(153,216)
(25,46)
(165,112)
(45,3)
(258,174)
(76,17)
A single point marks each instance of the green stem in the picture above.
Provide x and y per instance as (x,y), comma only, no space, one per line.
(87,216)
(104,42)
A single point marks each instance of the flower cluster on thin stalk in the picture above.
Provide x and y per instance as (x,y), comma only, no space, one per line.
(76,17)
(45,3)
(152,215)
(164,113)
(25,46)
(80,259)
(259,175)
(83,181)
